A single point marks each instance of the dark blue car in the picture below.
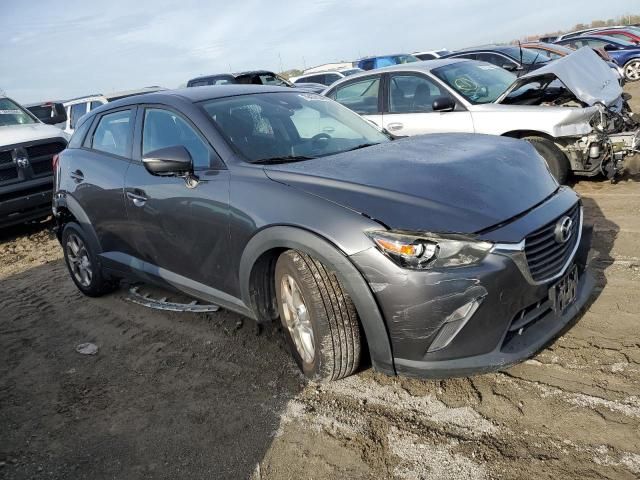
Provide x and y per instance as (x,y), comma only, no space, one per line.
(625,54)
(371,63)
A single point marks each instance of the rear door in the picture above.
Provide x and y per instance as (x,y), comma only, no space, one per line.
(179,231)
(95,175)
(409,107)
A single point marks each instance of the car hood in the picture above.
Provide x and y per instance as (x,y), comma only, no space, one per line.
(432,183)
(13,134)
(583,72)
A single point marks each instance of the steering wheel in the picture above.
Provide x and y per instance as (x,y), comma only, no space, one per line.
(320,141)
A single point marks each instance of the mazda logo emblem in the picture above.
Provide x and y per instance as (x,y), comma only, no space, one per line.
(563,231)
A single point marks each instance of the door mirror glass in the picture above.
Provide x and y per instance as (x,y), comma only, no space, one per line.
(444,104)
(167,161)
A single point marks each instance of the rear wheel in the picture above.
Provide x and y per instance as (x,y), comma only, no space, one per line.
(83,264)
(319,318)
(632,70)
(556,160)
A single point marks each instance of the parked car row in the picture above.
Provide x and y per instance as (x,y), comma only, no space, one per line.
(436,255)
(591,137)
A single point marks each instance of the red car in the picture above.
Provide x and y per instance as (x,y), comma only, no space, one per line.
(619,33)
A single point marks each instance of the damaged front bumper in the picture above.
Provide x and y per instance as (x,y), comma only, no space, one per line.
(504,317)
(601,153)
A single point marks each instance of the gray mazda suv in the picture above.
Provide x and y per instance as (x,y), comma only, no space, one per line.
(434,256)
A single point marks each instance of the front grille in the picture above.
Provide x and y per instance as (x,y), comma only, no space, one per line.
(545,256)
(45,149)
(6,158)
(7,174)
(42,168)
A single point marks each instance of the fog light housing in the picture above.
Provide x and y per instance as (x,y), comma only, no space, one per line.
(454,323)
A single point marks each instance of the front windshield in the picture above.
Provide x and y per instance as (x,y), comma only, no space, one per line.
(618,41)
(528,57)
(280,127)
(478,82)
(13,114)
(351,71)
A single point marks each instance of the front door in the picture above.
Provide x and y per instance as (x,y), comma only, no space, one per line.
(410,111)
(180,232)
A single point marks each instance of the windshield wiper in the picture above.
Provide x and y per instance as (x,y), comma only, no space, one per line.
(364,145)
(285,159)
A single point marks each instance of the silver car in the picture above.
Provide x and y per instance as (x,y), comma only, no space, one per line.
(571,110)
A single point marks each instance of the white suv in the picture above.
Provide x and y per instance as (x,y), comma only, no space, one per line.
(77,107)
(325,78)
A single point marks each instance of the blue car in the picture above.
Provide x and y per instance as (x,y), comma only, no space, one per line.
(625,54)
(371,63)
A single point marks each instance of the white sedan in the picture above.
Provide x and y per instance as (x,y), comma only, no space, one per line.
(571,110)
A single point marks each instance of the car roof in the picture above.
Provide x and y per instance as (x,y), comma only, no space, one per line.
(232,74)
(384,56)
(422,66)
(591,37)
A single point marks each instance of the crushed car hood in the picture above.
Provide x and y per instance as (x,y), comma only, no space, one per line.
(13,134)
(584,73)
(451,182)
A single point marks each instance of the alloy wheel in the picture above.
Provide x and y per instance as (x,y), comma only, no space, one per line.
(79,261)
(632,70)
(297,319)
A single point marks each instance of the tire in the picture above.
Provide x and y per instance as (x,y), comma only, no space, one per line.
(556,160)
(632,70)
(326,317)
(82,263)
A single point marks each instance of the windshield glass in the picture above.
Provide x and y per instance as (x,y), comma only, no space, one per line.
(528,57)
(405,59)
(13,114)
(280,127)
(617,41)
(478,82)
(351,71)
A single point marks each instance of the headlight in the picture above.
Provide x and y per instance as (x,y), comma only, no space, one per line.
(427,250)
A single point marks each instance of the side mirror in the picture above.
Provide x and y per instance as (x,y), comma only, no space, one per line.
(167,161)
(510,67)
(443,104)
(50,113)
(608,47)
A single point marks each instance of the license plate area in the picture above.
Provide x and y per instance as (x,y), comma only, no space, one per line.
(564,292)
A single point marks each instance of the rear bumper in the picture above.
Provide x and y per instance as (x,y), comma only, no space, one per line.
(25,201)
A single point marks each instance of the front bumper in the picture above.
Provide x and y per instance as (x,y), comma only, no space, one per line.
(415,305)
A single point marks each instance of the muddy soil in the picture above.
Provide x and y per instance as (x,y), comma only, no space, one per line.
(175,395)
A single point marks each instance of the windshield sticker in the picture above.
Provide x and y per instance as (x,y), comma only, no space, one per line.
(10,112)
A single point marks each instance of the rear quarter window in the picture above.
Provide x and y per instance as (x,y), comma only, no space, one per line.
(78,136)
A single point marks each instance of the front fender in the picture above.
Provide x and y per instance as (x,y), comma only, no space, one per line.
(279,237)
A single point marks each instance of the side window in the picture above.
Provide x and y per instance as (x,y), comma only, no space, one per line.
(426,56)
(77,110)
(367,64)
(469,56)
(94,104)
(113,132)
(360,96)
(79,134)
(412,93)
(595,43)
(495,59)
(163,128)
(329,78)
(315,79)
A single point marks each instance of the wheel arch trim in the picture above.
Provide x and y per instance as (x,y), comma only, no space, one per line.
(279,237)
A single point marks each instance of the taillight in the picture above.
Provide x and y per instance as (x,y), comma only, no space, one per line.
(54,161)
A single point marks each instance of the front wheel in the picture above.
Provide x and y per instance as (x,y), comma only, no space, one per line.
(318,316)
(556,160)
(632,70)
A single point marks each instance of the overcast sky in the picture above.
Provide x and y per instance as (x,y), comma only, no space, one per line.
(67,48)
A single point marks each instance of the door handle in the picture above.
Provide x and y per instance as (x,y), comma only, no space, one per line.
(77,175)
(395,126)
(138,200)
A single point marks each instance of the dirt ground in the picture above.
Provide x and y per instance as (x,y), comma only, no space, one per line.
(175,395)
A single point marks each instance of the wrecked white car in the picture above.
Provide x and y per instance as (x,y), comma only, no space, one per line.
(572,110)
